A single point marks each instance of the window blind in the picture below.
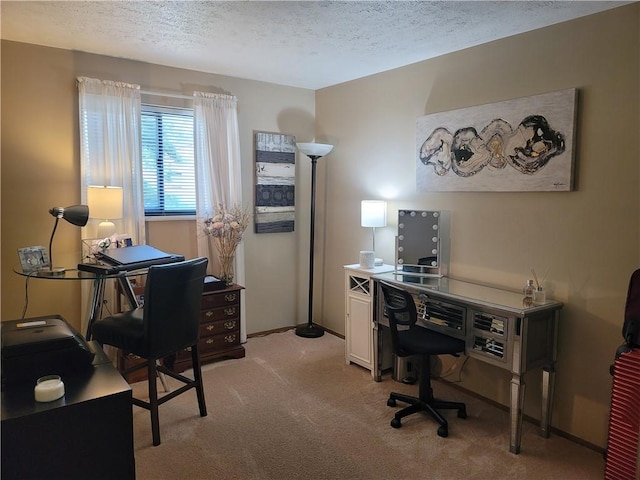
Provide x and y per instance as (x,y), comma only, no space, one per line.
(168,172)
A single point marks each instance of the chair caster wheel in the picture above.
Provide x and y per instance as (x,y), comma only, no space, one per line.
(462,413)
(391,402)
(395,423)
(443,431)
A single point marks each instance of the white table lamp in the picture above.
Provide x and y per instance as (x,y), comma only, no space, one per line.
(105,203)
(374,214)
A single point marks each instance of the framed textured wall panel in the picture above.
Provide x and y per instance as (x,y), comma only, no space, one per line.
(525,144)
(275,182)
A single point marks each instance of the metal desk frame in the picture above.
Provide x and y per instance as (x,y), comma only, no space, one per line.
(530,337)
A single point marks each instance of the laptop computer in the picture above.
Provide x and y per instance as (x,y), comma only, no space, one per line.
(135,254)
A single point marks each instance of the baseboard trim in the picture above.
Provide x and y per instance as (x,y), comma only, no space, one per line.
(527,418)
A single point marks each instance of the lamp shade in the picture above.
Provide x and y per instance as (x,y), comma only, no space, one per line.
(373,213)
(105,203)
(75,215)
(314,149)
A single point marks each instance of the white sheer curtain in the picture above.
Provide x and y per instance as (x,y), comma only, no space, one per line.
(110,147)
(110,153)
(218,173)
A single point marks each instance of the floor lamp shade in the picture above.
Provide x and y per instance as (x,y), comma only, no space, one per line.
(105,204)
(314,151)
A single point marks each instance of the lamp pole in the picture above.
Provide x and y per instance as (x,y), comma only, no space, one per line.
(310,330)
(314,152)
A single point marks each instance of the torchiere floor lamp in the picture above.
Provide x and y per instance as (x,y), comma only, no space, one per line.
(314,151)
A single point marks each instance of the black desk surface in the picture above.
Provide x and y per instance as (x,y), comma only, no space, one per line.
(100,381)
(88,433)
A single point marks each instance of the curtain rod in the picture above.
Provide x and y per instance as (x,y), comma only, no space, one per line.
(170,95)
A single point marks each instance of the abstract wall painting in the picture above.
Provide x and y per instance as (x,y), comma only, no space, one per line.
(275,182)
(526,144)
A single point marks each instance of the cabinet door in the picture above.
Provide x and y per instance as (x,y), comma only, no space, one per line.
(359,331)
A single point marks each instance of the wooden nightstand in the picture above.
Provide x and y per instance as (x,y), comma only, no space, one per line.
(219,328)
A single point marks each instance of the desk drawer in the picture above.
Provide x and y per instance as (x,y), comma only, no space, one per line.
(441,316)
(489,335)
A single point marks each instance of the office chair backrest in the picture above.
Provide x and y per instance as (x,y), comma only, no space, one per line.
(631,326)
(172,300)
(401,311)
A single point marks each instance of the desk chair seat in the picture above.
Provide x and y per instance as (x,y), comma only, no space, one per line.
(168,322)
(409,339)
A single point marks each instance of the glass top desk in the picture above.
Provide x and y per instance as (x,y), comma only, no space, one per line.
(496,327)
(98,288)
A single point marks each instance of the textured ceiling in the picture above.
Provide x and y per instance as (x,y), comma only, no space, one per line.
(309,44)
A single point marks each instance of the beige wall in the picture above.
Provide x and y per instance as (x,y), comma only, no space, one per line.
(40,169)
(589,238)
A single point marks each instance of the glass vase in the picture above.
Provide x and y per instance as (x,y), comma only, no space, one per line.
(226,269)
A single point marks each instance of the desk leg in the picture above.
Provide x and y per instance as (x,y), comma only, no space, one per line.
(517,407)
(128,292)
(376,372)
(548,382)
(549,378)
(96,304)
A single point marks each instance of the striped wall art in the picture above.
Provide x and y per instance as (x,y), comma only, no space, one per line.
(275,182)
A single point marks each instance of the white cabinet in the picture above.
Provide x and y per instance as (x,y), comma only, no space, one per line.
(359,306)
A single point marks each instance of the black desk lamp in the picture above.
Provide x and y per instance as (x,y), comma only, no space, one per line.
(314,151)
(76,215)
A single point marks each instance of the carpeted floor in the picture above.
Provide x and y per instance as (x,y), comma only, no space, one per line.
(292,409)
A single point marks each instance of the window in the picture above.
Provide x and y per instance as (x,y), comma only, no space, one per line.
(168,172)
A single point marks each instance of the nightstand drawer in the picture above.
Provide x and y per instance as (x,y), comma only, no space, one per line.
(212,344)
(220,313)
(219,327)
(220,299)
(219,342)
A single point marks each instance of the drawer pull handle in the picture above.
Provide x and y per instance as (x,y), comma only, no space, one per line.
(229,312)
(230,297)
(209,341)
(230,338)
(210,327)
(230,325)
(209,313)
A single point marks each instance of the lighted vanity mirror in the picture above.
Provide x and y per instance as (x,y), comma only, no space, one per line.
(423,242)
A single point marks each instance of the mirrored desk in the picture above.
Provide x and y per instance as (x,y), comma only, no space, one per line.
(496,327)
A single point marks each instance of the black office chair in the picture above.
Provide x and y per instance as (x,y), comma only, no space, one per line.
(409,339)
(168,322)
